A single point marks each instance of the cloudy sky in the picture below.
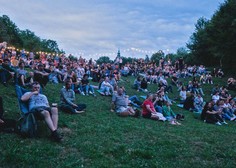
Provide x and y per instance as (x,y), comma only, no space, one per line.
(100,27)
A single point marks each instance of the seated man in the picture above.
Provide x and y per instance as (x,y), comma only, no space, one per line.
(67,100)
(41,76)
(39,106)
(6,72)
(120,104)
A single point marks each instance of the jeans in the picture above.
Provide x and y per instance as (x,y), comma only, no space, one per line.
(135,101)
(70,109)
(87,88)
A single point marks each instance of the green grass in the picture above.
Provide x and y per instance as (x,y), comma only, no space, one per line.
(99,138)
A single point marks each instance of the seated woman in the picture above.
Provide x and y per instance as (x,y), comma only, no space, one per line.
(86,87)
(183,95)
(137,84)
(211,116)
(169,114)
(149,111)
(21,74)
(228,112)
(189,102)
(144,85)
(198,103)
(158,101)
(106,88)
(209,78)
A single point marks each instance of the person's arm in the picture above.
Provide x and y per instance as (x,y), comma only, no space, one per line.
(172,113)
(41,73)
(27,95)
(211,112)
(113,106)
(148,107)
(156,100)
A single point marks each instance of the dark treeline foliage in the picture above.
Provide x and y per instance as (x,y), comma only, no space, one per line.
(106,59)
(214,41)
(26,39)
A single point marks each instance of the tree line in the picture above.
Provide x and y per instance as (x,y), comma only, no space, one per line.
(214,41)
(24,39)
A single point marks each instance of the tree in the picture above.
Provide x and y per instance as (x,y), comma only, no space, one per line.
(9,32)
(215,39)
(103,59)
(199,44)
(26,39)
(157,56)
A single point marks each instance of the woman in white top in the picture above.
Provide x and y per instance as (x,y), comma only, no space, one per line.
(183,95)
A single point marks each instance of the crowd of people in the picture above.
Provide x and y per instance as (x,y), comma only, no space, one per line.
(25,70)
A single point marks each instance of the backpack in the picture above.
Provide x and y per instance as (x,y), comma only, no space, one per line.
(27,126)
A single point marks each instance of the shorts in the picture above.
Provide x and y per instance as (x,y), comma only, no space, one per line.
(37,112)
(121,109)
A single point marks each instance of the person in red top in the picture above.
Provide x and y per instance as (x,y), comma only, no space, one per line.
(149,110)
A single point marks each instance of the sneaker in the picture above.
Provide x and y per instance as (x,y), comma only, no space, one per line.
(56,136)
(233,118)
(82,93)
(224,123)
(79,112)
(218,123)
(94,95)
(90,92)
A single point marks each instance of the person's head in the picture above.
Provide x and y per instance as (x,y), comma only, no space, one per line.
(150,96)
(6,61)
(35,86)
(31,74)
(112,76)
(199,95)
(209,104)
(68,84)
(216,93)
(167,103)
(120,91)
(21,64)
(106,79)
(40,67)
(85,76)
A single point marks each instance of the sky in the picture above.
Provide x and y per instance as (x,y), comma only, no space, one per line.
(93,28)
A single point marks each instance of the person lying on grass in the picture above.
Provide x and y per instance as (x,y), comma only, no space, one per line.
(120,103)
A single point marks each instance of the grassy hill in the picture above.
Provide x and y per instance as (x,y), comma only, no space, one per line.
(99,138)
